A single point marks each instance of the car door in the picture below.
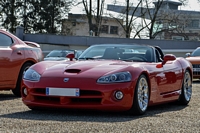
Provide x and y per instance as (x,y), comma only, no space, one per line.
(10,61)
(169,75)
(172,75)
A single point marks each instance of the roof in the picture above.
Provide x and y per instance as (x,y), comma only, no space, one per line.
(175,2)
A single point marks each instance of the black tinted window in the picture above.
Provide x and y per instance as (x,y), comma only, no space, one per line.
(5,40)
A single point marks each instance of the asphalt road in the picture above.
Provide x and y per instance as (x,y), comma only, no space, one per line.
(170,118)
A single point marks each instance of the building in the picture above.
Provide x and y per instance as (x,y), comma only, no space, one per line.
(176,24)
(77,25)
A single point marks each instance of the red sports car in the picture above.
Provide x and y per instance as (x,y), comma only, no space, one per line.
(115,77)
(16,56)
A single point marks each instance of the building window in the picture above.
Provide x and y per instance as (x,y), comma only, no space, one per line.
(113,30)
(104,29)
(194,24)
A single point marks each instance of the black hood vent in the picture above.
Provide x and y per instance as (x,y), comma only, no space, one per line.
(72,70)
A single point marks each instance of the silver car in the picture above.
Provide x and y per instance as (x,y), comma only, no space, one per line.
(58,55)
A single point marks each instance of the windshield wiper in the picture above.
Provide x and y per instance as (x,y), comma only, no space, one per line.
(133,60)
(86,58)
(129,60)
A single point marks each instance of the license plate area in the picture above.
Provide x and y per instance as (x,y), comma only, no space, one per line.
(51,91)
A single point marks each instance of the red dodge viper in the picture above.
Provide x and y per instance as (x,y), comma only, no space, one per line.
(16,56)
(114,77)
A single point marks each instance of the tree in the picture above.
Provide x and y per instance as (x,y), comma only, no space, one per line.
(160,20)
(48,15)
(91,14)
(148,16)
(38,16)
(9,11)
(130,15)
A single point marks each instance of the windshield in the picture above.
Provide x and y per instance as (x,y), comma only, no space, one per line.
(58,53)
(119,52)
(196,52)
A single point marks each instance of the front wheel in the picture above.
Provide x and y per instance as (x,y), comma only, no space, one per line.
(17,90)
(186,90)
(141,96)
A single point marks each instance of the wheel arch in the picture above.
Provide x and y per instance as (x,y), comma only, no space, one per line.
(28,61)
(190,71)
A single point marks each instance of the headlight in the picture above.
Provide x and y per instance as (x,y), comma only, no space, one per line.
(32,75)
(116,77)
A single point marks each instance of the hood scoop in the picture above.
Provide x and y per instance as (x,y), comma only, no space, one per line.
(72,70)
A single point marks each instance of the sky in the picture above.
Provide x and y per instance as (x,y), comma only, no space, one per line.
(192,5)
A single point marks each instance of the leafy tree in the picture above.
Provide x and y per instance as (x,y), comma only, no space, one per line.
(38,16)
(46,16)
(9,12)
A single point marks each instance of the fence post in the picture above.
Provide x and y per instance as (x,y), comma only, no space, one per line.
(20,32)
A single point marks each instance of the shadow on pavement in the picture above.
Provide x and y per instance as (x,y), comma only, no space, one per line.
(90,116)
(7,95)
(196,81)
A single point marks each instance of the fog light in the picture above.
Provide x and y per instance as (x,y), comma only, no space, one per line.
(25,91)
(119,95)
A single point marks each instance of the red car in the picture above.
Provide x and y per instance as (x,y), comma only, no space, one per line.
(114,77)
(16,56)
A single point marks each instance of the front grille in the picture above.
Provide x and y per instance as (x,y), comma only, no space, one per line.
(86,97)
(54,100)
(86,100)
(82,92)
(40,91)
(198,67)
(89,93)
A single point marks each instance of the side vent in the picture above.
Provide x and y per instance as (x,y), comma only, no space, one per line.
(72,70)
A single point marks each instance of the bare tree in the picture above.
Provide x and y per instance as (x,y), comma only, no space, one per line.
(95,13)
(129,14)
(161,20)
(150,16)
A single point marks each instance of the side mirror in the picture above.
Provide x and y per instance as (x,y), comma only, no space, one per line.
(70,56)
(187,54)
(167,57)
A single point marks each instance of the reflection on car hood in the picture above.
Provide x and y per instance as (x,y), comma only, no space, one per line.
(86,68)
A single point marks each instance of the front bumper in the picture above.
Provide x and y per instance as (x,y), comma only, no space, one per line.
(92,96)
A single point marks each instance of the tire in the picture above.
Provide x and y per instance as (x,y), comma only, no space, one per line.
(17,90)
(186,90)
(141,96)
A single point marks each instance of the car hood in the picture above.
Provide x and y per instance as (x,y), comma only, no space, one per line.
(85,68)
(194,60)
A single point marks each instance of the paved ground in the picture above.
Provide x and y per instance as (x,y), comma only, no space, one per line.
(170,118)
